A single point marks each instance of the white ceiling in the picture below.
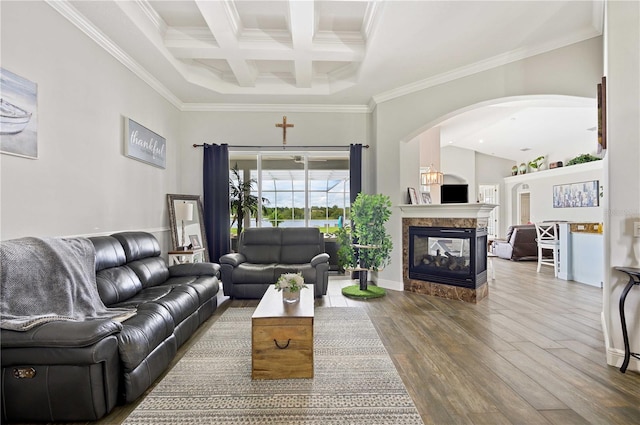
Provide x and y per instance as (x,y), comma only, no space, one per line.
(337,55)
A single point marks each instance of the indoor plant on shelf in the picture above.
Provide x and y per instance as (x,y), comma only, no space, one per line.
(581,159)
(536,164)
(372,248)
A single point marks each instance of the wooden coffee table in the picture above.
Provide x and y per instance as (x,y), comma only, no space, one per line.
(282,337)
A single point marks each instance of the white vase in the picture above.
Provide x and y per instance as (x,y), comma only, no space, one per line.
(290,296)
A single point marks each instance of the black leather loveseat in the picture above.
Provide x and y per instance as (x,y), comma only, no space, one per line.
(266,253)
(78,370)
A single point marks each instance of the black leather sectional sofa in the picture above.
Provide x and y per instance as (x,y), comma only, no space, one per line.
(73,371)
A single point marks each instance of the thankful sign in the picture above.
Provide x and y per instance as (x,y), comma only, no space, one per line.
(144,145)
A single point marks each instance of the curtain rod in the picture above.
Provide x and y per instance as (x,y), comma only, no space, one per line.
(195,145)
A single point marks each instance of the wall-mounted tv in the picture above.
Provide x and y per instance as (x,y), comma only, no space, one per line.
(454,193)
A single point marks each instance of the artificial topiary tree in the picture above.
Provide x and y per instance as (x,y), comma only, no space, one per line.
(372,248)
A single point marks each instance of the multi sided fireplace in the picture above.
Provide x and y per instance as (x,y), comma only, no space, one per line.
(444,250)
(449,255)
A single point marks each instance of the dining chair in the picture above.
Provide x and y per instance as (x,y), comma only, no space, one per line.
(547,239)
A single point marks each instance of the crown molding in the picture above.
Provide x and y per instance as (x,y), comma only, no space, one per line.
(248,107)
(153,16)
(490,63)
(72,15)
(67,10)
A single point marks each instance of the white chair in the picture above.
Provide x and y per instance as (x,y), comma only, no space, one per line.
(547,238)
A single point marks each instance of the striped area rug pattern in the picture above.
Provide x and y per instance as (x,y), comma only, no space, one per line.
(355,381)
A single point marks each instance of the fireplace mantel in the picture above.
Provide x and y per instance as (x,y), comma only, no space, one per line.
(447,210)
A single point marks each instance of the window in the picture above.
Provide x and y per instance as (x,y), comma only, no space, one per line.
(297,190)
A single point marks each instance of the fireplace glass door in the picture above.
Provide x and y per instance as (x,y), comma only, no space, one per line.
(451,254)
(445,255)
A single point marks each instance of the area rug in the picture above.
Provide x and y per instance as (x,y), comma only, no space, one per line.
(355,381)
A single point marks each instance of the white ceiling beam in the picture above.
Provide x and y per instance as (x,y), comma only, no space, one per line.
(301,23)
(195,50)
(223,24)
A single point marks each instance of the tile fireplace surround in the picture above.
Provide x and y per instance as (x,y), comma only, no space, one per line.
(450,216)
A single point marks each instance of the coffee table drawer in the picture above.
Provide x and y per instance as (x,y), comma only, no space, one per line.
(282,352)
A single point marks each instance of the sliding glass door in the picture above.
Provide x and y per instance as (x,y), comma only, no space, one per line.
(296,189)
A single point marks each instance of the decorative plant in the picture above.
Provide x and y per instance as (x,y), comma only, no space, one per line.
(372,251)
(346,254)
(369,213)
(535,163)
(293,282)
(581,159)
(242,201)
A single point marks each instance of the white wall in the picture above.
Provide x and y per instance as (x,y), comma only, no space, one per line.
(622,174)
(81,183)
(258,129)
(576,70)
(540,186)
(459,167)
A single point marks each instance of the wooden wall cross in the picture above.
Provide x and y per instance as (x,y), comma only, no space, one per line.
(284,126)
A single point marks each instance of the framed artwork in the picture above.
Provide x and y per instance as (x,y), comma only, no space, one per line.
(602,115)
(426,197)
(144,145)
(195,241)
(413,196)
(573,195)
(19,117)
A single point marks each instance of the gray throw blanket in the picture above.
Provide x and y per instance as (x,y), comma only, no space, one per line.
(50,279)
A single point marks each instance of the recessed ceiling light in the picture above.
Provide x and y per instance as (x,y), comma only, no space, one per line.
(451,142)
(592,129)
(525,149)
(480,141)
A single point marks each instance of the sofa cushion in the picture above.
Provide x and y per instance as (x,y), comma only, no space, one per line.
(109,252)
(307,270)
(151,271)
(254,273)
(138,245)
(117,284)
(261,245)
(145,296)
(181,301)
(205,286)
(300,245)
(142,333)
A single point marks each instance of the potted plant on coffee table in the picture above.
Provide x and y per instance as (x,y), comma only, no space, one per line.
(370,247)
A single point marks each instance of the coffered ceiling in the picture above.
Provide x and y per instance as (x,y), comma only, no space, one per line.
(331,55)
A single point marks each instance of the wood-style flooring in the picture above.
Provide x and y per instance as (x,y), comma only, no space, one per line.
(531,353)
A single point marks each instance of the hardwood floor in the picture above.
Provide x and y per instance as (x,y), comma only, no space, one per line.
(531,353)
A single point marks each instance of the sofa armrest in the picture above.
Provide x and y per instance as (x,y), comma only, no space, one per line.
(61,334)
(234,259)
(319,259)
(502,249)
(195,269)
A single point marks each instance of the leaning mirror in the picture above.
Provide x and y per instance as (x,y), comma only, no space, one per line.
(186,219)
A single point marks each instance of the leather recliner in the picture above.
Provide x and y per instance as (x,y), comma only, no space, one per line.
(78,371)
(266,253)
(520,244)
